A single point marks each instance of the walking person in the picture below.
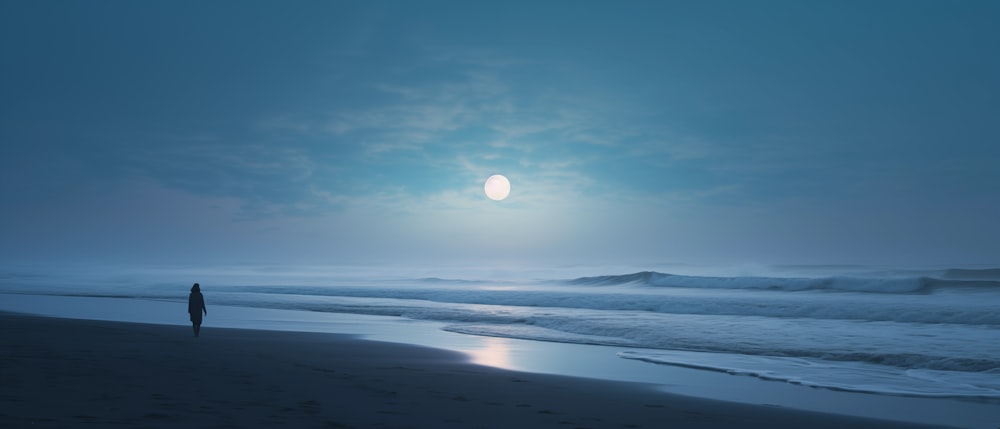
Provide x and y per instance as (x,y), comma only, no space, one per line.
(196,306)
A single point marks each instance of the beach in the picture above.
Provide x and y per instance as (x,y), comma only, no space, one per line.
(68,373)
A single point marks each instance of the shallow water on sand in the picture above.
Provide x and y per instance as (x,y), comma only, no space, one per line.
(579,360)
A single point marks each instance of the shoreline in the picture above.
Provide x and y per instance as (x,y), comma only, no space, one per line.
(64,372)
(526,356)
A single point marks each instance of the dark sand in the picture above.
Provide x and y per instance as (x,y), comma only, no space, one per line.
(75,373)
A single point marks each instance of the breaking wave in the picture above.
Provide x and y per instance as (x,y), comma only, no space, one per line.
(949,279)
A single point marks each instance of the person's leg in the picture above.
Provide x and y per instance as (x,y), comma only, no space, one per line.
(197,328)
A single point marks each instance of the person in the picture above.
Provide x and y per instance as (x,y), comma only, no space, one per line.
(196,305)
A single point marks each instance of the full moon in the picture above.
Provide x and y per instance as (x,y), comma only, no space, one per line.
(497,187)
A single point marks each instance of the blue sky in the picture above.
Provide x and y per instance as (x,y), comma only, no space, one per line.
(635,133)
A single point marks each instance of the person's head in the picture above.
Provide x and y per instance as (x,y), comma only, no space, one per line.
(196,288)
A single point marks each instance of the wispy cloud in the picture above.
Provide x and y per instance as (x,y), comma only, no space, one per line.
(436,138)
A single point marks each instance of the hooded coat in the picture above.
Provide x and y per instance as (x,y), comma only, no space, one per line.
(196,304)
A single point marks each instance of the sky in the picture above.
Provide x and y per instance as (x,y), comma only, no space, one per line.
(362,132)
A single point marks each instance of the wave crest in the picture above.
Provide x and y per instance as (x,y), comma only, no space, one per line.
(973,279)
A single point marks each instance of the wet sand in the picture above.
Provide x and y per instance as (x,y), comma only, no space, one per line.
(68,373)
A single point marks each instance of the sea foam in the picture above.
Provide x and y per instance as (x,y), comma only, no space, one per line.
(914,332)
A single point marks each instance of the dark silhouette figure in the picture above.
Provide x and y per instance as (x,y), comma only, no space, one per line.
(196,305)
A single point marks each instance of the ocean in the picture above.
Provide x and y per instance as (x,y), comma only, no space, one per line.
(909,332)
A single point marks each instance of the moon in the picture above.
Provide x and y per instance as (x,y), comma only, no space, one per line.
(497,187)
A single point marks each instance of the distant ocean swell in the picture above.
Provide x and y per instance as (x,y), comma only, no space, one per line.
(950,279)
(834,306)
